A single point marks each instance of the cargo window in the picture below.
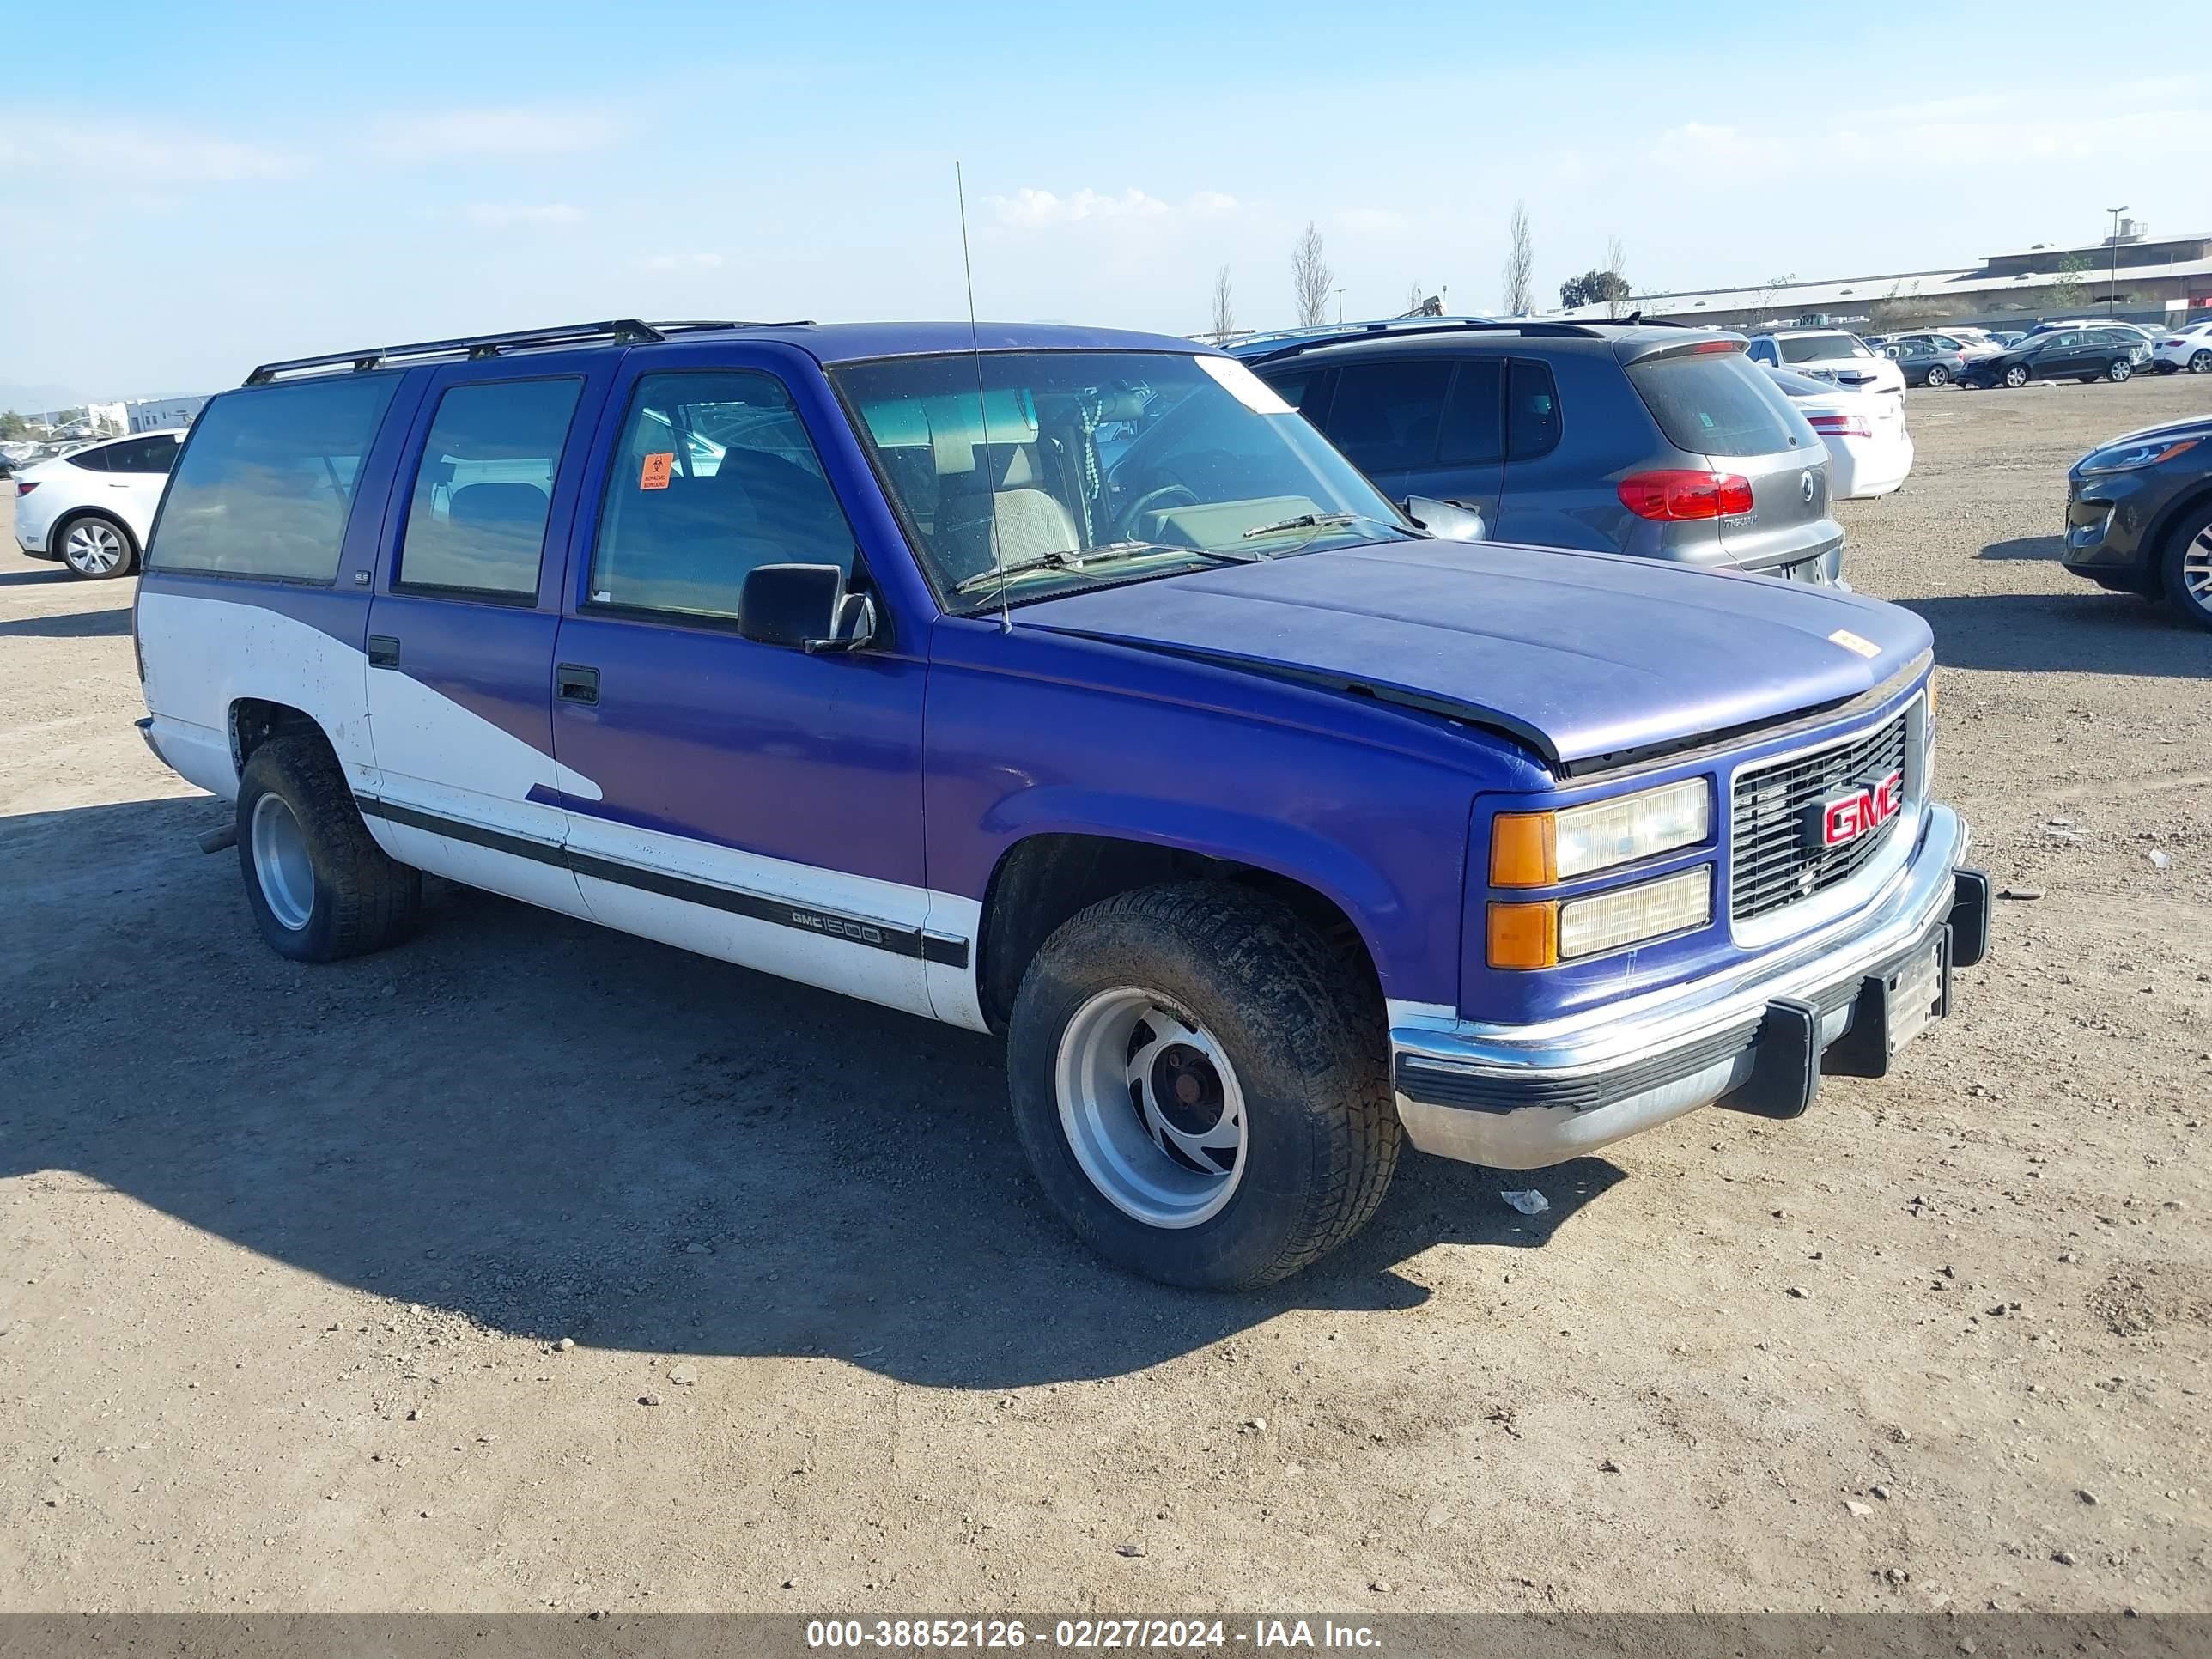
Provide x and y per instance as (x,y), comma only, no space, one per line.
(264,486)
(1532,410)
(476,523)
(1385,416)
(1715,403)
(715,475)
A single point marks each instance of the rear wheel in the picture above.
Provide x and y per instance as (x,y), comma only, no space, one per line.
(2016,375)
(1938,375)
(94,547)
(2120,369)
(319,885)
(2188,569)
(2200,362)
(1200,1082)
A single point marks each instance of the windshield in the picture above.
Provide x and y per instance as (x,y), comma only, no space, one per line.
(1821,348)
(1083,468)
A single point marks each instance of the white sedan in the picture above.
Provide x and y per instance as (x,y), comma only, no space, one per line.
(2187,348)
(1828,353)
(1870,451)
(92,509)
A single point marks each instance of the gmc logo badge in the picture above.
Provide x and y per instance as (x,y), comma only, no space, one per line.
(1845,817)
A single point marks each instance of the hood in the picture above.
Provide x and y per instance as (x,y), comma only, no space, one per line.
(2193,426)
(1579,654)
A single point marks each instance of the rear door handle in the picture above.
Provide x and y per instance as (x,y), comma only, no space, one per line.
(383,651)
(575,683)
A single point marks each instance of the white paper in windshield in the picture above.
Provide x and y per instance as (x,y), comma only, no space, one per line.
(1247,388)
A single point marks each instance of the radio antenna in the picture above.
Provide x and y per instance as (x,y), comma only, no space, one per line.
(982,453)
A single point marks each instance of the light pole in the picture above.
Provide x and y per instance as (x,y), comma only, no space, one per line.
(2113,270)
(1339,306)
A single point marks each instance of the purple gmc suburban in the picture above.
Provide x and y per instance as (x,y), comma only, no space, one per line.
(1064,683)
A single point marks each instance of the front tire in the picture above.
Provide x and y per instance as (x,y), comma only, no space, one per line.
(2016,376)
(1200,1084)
(1938,375)
(2186,570)
(2119,370)
(94,547)
(319,885)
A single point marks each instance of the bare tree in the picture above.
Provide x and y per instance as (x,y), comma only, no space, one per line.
(1519,264)
(1224,311)
(1310,278)
(1616,260)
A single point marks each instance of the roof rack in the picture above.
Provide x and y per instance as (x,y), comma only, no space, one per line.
(620,331)
(1472,325)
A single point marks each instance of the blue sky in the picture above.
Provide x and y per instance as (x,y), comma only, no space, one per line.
(185,190)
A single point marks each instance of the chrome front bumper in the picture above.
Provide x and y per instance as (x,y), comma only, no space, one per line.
(1522,1097)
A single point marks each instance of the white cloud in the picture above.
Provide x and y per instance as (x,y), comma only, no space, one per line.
(434,135)
(1369,220)
(1029,209)
(681,262)
(498,215)
(96,151)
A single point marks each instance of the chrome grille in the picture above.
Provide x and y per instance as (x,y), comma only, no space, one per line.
(1770,864)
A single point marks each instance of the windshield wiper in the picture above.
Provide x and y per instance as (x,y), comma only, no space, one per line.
(1091,556)
(1327,521)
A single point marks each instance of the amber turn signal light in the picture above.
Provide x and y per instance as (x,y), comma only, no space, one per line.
(1524,935)
(1524,850)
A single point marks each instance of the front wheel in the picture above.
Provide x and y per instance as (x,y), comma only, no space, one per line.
(1200,1084)
(2188,570)
(2016,375)
(2118,370)
(1938,375)
(96,548)
(319,886)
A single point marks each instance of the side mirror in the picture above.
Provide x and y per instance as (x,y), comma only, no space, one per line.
(803,607)
(1447,521)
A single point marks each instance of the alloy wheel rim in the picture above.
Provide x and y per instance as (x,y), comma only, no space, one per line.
(2201,364)
(280,864)
(1152,1109)
(2197,570)
(94,548)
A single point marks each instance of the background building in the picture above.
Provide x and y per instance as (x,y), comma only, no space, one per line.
(154,414)
(2134,277)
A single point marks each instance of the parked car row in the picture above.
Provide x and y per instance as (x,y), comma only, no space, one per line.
(1271,831)
(92,509)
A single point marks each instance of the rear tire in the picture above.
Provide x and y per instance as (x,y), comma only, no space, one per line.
(2200,362)
(2186,569)
(94,547)
(319,885)
(1151,1010)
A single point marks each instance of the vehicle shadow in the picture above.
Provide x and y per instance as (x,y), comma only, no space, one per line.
(556,1130)
(57,573)
(72,625)
(2092,632)
(2043,548)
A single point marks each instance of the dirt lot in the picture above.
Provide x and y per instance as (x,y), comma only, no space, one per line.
(286,1252)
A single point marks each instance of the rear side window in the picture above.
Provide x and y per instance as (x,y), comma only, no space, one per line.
(1715,403)
(477,521)
(1294,387)
(264,486)
(1532,410)
(1475,423)
(143,455)
(91,460)
(1385,416)
(715,476)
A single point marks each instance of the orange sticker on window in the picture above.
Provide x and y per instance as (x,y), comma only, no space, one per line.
(655,475)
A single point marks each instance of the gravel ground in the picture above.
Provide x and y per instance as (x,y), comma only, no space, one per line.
(291,1257)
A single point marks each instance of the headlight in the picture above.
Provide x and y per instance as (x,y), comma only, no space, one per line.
(2127,457)
(1547,933)
(1536,849)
